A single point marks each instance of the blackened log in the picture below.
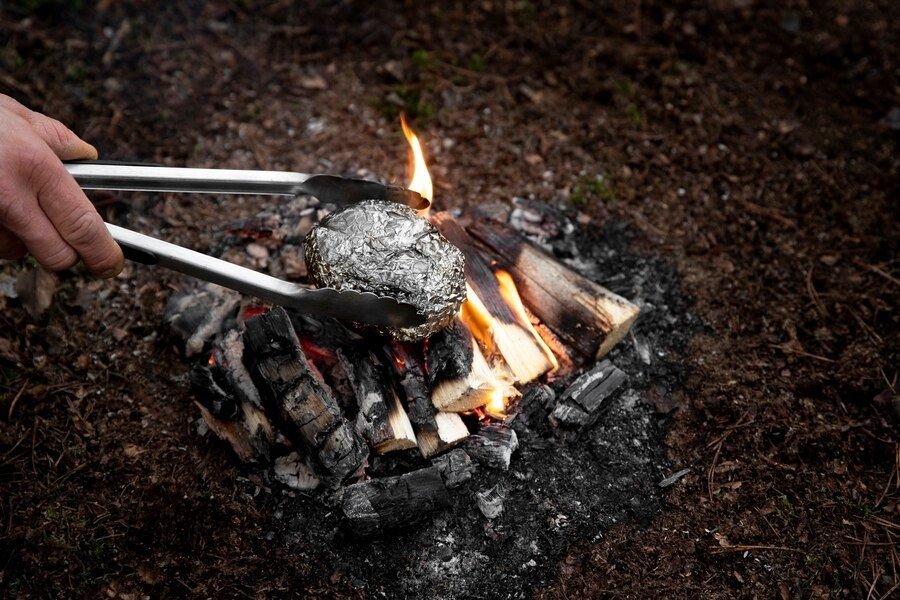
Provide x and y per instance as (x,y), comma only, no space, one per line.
(435,431)
(507,331)
(460,377)
(380,505)
(493,445)
(243,425)
(583,314)
(295,472)
(455,467)
(381,419)
(582,403)
(292,389)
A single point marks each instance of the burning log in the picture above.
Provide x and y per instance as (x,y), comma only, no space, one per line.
(381,419)
(584,315)
(435,430)
(455,467)
(388,503)
(294,391)
(493,445)
(460,377)
(581,404)
(492,311)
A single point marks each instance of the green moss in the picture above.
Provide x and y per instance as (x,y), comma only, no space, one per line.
(589,190)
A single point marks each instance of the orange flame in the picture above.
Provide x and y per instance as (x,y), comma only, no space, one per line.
(421,180)
(510,295)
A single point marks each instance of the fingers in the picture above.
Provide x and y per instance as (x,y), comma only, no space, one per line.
(11,247)
(76,220)
(64,143)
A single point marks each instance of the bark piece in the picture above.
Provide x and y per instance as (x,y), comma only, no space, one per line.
(493,445)
(393,502)
(292,389)
(583,314)
(581,404)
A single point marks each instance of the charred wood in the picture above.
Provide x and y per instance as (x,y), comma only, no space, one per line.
(493,445)
(381,419)
(507,333)
(460,377)
(295,391)
(582,403)
(583,314)
(199,312)
(435,431)
(456,467)
(393,502)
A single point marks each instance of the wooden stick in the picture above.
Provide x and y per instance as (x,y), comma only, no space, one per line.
(293,390)
(435,431)
(507,330)
(381,418)
(585,315)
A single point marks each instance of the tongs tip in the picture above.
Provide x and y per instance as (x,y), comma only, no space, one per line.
(402,195)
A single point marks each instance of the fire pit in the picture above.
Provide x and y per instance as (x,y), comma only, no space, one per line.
(387,430)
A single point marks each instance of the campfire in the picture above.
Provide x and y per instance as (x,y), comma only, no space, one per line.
(321,402)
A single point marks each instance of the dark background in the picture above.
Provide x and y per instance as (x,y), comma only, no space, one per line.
(752,144)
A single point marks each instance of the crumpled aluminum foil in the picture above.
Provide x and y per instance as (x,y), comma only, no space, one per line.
(386,248)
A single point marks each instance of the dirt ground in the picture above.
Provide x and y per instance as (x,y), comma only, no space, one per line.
(751,144)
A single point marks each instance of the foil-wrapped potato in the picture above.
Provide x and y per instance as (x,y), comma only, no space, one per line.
(386,248)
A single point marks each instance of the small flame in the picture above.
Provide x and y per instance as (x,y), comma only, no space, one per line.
(510,295)
(421,180)
(212,360)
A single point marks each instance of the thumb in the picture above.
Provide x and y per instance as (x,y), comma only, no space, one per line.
(65,144)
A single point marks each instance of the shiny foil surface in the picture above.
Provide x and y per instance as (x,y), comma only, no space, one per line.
(385,248)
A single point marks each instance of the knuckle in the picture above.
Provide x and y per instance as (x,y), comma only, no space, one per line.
(59,258)
(81,227)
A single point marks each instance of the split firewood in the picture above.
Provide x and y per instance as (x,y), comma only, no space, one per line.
(492,313)
(581,404)
(242,424)
(436,431)
(461,378)
(455,467)
(293,390)
(393,502)
(381,419)
(493,445)
(584,315)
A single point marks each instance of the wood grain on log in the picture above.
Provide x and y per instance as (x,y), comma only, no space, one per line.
(293,390)
(393,502)
(506,331)
(461,378)
(583,314)
(381,419)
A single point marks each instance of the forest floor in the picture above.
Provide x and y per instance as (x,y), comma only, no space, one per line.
(751,145)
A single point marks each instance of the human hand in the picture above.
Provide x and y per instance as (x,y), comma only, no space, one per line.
(42,209)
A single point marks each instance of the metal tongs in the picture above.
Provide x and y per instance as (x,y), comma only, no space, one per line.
(362,307)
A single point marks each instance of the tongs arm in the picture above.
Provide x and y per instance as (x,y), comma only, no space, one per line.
(136,177)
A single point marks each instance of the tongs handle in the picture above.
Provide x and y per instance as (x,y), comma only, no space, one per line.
(146,177)
(152,251)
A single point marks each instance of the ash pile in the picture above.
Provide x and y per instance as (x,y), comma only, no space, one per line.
(395,435)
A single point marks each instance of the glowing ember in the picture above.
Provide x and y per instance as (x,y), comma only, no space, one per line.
(421,180)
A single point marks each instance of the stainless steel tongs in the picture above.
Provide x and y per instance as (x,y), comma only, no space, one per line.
(362,307)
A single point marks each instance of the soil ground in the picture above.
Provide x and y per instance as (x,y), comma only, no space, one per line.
(751,145)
